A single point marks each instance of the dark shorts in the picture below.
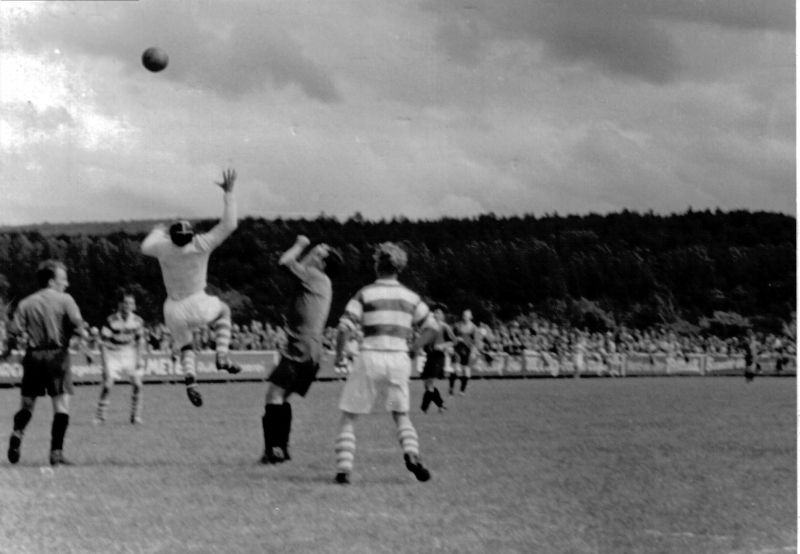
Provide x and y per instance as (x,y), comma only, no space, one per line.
(434,365)
(294,376)
(462,354)
(46,371)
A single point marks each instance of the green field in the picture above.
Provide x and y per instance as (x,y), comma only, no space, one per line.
(638,465)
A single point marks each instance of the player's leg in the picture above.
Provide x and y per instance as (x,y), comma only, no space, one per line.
(276,425)
(466,370)
(453,376)
(409,442)
(397,403)
(221,323)
(59,429)
(59,388)
(427,396)
(358,397)
(104,401)
(176,316)
(137,384)
(345,448)
(21,420)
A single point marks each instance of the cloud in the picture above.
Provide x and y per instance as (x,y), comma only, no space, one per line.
(508,106)
(617,37)
(211,47)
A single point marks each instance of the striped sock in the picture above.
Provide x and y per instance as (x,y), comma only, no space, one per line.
(188,363)
(222,332)
(102,404)
(345,450)
(407,436)
(136,403)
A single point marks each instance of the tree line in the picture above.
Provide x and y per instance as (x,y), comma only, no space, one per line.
(593,271)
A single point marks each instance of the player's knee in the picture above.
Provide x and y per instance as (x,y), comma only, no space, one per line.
(61,404)
(275,395)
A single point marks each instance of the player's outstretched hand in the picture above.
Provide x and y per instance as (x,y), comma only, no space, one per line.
(302,241)
(228,179)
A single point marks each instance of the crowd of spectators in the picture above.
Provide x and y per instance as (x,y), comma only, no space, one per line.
(512,338)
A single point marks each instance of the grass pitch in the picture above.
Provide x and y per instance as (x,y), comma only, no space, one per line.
(636,465)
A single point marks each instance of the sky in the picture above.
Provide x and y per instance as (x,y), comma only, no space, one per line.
(396,108)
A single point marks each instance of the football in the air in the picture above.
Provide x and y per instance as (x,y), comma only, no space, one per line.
(155,59)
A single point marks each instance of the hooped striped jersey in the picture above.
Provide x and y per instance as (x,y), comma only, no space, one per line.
(119,332)
(387,312)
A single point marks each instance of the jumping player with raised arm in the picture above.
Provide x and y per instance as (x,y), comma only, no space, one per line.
(386,311)
(305,325)
(183,257)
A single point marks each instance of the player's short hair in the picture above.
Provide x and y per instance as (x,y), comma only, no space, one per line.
(181,232)
(47,271)
(390,258)
(123,294)
(334,262)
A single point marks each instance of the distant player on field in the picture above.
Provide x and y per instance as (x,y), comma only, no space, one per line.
(435,357)
(183,257)
(48,318)
(387,312)
(305,325)
(750,347)
(123,349)
(468,338)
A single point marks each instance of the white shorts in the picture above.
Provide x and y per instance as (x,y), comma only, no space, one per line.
(194,311)
(117,363)
(371,373)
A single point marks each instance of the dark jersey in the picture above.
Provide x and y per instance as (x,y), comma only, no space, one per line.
(308,313)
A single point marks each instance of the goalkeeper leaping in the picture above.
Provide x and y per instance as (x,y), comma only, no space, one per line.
(183,257)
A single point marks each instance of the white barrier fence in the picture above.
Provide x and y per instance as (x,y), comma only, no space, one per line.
(259,364)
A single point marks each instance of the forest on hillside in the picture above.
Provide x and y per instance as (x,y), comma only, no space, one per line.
(686,270)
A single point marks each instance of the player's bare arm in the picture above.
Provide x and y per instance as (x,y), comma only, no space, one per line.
(342,336)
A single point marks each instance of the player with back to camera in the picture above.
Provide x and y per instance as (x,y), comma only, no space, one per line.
(123,353)
(468,338)
(48,318)
(436,353)
(386,311)
(305,325)
(183,257)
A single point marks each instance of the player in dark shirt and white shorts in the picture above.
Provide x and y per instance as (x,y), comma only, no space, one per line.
(436,353)
(305,324)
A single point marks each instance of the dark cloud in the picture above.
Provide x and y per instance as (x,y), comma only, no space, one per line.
(232,53)
(621,37)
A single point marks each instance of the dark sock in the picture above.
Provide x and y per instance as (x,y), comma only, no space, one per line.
(285,425)
(464,381)
(452,379)
(21,419)
(437,398)
(426,400)
(190,380)
(269,424)
(60,423)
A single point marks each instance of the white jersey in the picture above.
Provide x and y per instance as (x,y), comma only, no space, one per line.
(185,268)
